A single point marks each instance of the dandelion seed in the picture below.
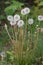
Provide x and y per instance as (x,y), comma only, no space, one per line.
(30,21)
(16,17)
(20,23)
(10,18)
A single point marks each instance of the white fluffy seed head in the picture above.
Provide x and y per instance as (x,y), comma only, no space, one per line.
(40,17)
(27,10)
(3,54)
(10,18)
(20,23)
(30,21)
(23,12)
(16,17)
(12,23)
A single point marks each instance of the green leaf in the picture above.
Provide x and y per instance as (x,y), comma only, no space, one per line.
(8,52)
(41,3)
(10,10)
(2,17)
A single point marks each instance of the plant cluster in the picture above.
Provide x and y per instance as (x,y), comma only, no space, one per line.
(23,40)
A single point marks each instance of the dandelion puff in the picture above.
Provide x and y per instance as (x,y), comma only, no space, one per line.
(40,17)
(27,10)
(10,18)
(3,55)
(23,12)
(20,23)
(12,23)
(30,21)
(16,17)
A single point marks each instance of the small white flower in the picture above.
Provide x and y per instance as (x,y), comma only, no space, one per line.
(23,12)
(16,17)
(30,21)
(20,23)
(35,32)
(40,17)
(3,55)
(12,23)
(10,18)
(37,25)
(27,10)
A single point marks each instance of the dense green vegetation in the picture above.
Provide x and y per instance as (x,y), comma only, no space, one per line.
(12,7)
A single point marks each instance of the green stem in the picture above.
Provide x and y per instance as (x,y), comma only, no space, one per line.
(30,33)
(13,33)
(39,23)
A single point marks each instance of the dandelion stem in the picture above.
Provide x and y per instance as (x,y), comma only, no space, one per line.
(39,23)
(36,40)
(30,40)
(13,33)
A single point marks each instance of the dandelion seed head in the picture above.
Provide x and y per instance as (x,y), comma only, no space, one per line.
(12,23)
(10,18)
(40,17)
(3,54)
(20,23)
(23,12)
(16,17)
(30,21)
(27,10)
